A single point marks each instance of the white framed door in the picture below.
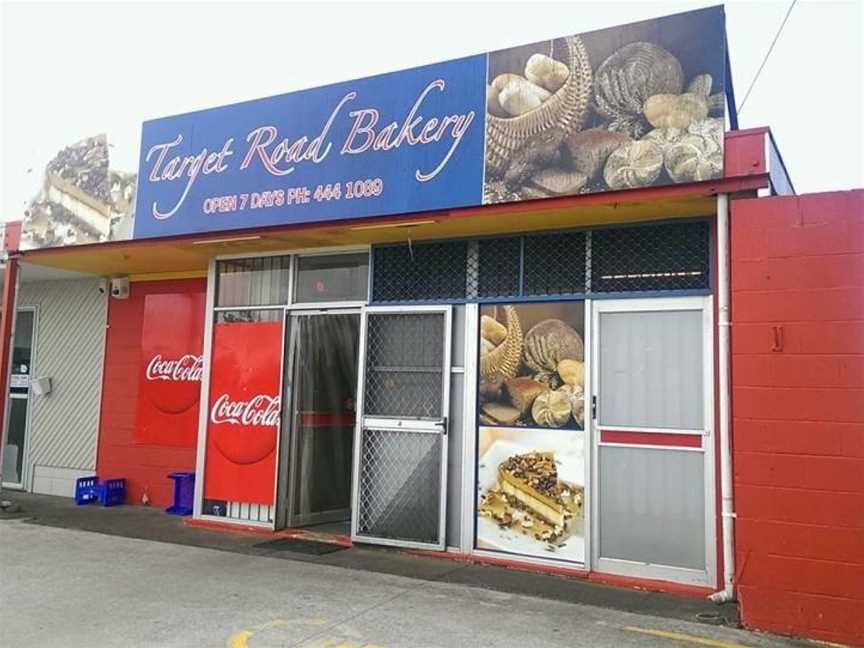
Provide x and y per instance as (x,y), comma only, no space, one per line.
(400,453)
(652,387)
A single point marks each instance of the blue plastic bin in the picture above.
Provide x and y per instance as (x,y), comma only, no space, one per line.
(184,493)
(108,493)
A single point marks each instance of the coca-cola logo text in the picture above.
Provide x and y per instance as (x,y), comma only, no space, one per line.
(258,410)
(188,367)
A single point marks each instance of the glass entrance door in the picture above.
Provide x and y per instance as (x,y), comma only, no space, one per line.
(20,371)
(322,356)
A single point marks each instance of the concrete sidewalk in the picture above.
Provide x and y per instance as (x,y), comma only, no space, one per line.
(63,587)
(22,539)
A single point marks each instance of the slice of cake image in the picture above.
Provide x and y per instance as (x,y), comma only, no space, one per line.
(532,480)
(81,200)
(530,498)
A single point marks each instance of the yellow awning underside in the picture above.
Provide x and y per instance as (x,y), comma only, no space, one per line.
(189,255)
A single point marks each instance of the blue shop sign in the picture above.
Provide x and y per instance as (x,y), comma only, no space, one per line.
(401,142)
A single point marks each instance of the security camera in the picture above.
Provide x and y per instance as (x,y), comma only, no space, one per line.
(103,286)
(120,287)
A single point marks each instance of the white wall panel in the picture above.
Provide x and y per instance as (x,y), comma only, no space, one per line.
(70,346)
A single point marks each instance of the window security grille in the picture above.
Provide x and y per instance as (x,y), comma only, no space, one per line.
(555,264)
(671,257)
(655,257)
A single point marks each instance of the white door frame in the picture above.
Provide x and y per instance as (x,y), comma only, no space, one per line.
(708,576)
(419,426)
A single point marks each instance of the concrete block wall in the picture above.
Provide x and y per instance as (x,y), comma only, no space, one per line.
(798,413)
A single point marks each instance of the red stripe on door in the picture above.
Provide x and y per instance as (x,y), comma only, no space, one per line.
(651,438)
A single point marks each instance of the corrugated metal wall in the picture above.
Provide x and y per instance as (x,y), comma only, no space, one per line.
(70,344)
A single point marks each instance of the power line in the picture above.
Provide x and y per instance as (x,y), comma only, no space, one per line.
(767,54)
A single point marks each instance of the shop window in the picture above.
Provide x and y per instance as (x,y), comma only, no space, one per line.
(259,281)
(651,257)
(577,263)
(555,264)
(420,272)
(531,441)
(332,277)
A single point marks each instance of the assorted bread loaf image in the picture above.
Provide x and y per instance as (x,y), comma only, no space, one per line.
(532,377)
(610,110)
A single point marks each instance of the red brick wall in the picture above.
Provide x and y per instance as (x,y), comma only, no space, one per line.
(798,413)
(145,466)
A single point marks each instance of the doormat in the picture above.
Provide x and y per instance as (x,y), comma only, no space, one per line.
(298,545)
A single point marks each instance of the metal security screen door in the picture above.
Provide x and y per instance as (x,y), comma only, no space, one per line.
(400,455)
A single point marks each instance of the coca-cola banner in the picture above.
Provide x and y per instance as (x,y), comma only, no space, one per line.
(171,363)
(244,408)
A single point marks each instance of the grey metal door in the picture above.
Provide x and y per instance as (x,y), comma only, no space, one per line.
(400,469)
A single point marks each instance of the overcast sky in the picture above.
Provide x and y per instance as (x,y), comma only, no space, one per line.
(73,69)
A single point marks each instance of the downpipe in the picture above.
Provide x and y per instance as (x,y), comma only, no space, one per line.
(727,514)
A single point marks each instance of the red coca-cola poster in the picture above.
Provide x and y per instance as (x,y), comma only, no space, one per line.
(171,364)
(244,410)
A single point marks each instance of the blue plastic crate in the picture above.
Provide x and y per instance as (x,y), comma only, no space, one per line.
(86,490)
(108,493)
(184,493)
(112,492)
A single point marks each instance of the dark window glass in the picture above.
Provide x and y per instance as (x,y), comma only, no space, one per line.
(332,277)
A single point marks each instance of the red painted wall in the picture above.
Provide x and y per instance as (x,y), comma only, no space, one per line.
(798,413)
(145,466)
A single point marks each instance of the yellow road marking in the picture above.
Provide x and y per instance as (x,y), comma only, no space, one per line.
(678,636)
(240,639)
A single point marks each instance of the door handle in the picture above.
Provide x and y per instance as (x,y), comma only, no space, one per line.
(594,408)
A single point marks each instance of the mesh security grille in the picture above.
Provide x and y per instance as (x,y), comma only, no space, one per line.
(498,267)
(420,272)
(652,257)
(656,257)
(555,264)
(399,486)
(404,357)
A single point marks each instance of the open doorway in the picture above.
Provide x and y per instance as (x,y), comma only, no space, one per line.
(319,416)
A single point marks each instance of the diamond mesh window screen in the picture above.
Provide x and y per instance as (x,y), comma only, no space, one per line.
(663,257)
(404,357)
(399,486)
(420,272)
(555,264)
(498,267)
(651,257)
